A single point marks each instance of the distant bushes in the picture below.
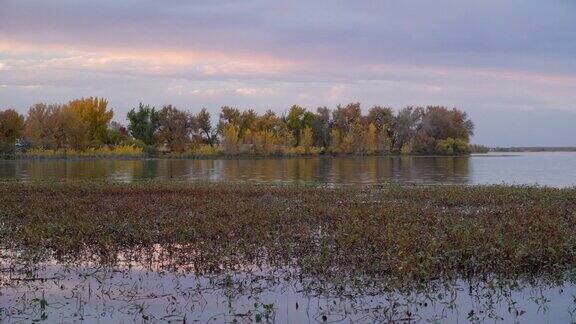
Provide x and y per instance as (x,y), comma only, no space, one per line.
(475,148)
(83,127)
(452,146)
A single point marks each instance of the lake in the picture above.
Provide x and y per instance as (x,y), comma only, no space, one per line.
(154,291)
(556,169)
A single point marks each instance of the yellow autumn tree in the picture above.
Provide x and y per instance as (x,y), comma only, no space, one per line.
(246,136)
(264,142)
(370,146)
(406,148)
(348,140)
(94,112)
(384,141)
(69,130)
(334,141)
(230,139)
(285,139)
(306,139)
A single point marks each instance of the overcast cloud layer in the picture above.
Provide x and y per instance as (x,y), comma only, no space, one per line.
(510,64)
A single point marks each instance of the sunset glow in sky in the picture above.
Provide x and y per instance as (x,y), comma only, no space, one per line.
(510,64)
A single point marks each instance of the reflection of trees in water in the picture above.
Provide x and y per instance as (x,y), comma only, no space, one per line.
(236,170)
(65,170)
(347,170)
(372,170)
(269,170)
(437,169)
(10,170)
(303,169)
(87,170)
(124,170)
(144,169)
(177,169)
(68,170)
(341,170)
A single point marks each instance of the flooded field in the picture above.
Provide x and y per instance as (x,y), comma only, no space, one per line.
(177,252)
(89,293)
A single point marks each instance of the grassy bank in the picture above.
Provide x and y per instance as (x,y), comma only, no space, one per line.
(93,155)
(409,233)
(120,151)
(200,152)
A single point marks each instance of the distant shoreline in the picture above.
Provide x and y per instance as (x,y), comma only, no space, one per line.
(533,149)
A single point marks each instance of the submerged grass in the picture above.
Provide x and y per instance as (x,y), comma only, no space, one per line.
(411,234)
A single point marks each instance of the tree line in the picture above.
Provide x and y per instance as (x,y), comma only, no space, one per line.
(87,123)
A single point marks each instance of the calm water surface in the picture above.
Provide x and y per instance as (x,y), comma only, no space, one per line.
(93,295)
(548,168)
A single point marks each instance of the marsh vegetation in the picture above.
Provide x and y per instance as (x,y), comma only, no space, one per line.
(393,244)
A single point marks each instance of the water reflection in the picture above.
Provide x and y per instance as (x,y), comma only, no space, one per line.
(71,293)
(553,169)
(346,170)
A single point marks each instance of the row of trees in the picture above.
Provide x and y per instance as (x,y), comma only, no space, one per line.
(86,122)
(430,130)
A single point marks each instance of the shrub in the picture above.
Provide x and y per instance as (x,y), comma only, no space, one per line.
(451,146)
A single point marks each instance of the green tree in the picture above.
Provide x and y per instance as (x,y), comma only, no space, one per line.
(299,118)
(116,134)
(452,146)
(143,123)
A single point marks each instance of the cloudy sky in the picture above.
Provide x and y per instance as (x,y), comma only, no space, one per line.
(510,64)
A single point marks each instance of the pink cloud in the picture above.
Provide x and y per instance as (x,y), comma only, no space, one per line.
(142,61)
